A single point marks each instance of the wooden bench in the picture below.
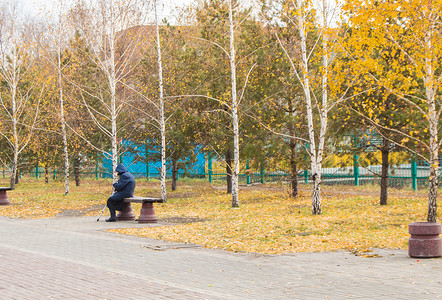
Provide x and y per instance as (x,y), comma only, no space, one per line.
(4,196)
(147,213)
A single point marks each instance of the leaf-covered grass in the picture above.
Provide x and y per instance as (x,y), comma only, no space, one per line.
(268,220)
(35,199)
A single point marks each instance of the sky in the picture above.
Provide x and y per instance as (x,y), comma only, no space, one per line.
(34,7)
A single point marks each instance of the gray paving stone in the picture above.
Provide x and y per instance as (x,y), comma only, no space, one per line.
(76,258)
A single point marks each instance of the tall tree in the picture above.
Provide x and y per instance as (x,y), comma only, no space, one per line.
(234,109)
(61,34)
(80,71)
(312,62)
(18,51)
(113,49)
(211,18)
(181,63)
(224,81)
(412,30)
(161,108)
(282,112)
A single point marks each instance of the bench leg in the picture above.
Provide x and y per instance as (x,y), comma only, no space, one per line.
(147,214)
(4,198)
(127,213)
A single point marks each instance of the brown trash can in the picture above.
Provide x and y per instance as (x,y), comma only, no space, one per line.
(424,241)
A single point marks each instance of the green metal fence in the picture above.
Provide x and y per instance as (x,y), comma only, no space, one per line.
(337,171)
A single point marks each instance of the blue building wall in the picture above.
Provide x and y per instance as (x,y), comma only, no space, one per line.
(139,169)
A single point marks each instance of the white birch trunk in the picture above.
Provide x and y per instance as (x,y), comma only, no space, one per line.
(14,126)
(63,125)
(112,77)
(104,28)
(61,100)
(12,77)
(316,173)
(316,203)
(162,119)
(113,112)
(235,173)
(12,68)
(433,124)
(108,65)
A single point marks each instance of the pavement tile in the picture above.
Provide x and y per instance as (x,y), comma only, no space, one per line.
(76,258)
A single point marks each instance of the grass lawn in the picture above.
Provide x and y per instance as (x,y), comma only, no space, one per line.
(268,221)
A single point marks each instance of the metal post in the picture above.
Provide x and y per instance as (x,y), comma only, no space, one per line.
(248,173)
(55,174)
(307,147)
(37,173)
(96,167)
(209,167)
(262,172)
(414,174)
(147,162)
(356,169)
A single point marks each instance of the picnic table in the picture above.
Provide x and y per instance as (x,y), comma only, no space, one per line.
(4,196)
(147,212)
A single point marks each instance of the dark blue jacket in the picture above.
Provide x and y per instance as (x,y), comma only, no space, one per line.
(124,187)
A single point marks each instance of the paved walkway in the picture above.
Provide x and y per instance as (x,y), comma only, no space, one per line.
(75,258)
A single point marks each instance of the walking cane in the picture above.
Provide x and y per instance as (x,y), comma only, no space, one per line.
(102,212)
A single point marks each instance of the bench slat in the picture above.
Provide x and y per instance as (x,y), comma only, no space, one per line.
(137,199)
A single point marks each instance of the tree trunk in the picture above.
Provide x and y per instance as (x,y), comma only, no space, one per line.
(229,171)
(63,125)
(433,117)
(323,114)
(315,167)
(14,179)
(162,118)
(174,174)
(294,169)
(432,196)
(292,145)
(15,135)
(77,171)
(46,174)
(434,164)
(235,175)
(385,151)
(114,139)
(14,66)
(316,195)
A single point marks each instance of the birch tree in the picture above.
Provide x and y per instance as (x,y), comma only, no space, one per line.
(301,9)
(17,54)
(220,22)
(79,70)
(311,60)
(161,109)
(216,134)
(179,78)
(108,27)
(234,108)
(411,30)
(60,33)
